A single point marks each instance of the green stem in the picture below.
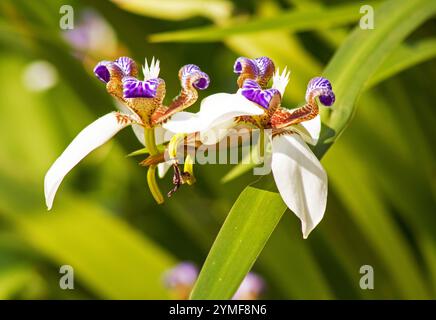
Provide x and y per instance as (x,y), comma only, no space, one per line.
(150,144)
(262,143)
(152,184)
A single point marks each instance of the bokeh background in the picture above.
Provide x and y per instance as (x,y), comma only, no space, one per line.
(381,207)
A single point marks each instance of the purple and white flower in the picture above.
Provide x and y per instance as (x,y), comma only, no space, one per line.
(141,100)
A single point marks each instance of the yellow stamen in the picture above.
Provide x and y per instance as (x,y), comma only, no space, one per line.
(174,144)
(189,168)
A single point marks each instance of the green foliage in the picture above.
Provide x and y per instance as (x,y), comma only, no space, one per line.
(105,224)
(294,20)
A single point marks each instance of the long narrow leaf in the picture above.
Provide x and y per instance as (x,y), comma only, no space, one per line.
(178,10)
(362,54)
(294,20)
(240,241)
(404,57)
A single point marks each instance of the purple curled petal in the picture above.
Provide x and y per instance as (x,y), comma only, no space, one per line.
(184,274)
(243,64)
(253,92)
(265,65)
(134,88)
(202,82)
(123,66)
(191,73)
(127,65)
(251,84)
(327,99)
(102,72)
(322,88)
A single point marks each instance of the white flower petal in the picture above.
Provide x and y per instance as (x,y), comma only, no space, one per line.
(217,133)
(314,128)
(215,109)
(90,138)
(184,122)
(139,133)
(300,179)
(162,168)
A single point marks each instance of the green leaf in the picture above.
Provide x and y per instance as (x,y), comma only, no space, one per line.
(247,164)
(108,256)
(297,273)
(406,56)
(178,10)
(360,195)
(294,20)
(245,232)
(237,171)
(142,151)
(362,54)
(16,279)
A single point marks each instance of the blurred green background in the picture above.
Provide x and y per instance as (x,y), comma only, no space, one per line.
(381,207)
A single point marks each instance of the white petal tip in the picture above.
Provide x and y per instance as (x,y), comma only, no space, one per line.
(51,185)
(306,232)
(49,204)
(90,138)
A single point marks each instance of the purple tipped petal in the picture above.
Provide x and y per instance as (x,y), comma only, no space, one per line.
(253,92)
(259,69)
(322,88)
(202,83)
(243,64)
(191,73)
(237,67)
(127,65)
(184,274)
(102,72)
(327,100)
(265,65)
(123,66)
(134,88)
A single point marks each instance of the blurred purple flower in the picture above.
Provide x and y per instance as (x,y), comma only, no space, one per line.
(91,35)
(251,287)
(184,274)
(181,279)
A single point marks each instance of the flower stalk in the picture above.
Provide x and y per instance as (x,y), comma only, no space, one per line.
(150,143)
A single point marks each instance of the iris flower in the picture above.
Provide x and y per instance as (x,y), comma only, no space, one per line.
(143,100)
(299,176)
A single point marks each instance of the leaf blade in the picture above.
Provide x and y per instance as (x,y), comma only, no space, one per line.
(234,244)
(294,20)
(393,22)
